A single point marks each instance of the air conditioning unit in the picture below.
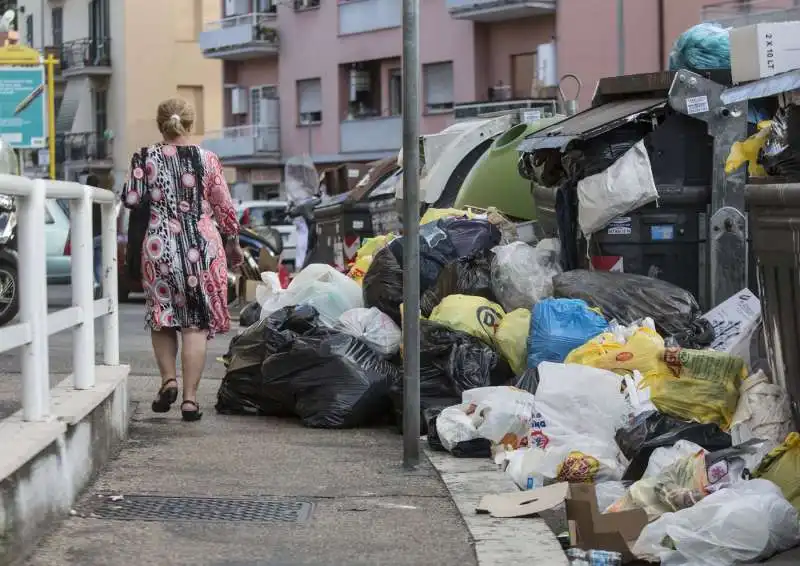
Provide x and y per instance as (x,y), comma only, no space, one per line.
(239,100)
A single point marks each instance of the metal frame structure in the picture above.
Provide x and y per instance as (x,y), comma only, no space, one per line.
(35,326)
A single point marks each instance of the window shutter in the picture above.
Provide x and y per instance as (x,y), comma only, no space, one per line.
(439,83)
(309,94)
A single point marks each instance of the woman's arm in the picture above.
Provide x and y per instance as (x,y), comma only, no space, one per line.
(219,196)
(135,186)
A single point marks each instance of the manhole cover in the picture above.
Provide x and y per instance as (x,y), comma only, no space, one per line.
(209,509)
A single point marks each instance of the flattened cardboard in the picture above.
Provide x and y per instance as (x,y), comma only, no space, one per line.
(267,261)
(589,528)
(524,503)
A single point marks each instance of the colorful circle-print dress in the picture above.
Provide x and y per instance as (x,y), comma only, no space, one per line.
(184,268)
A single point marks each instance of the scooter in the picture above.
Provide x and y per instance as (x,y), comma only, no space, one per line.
(9,260)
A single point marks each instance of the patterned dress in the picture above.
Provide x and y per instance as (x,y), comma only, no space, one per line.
(184,268)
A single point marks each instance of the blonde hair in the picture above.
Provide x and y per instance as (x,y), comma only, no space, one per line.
(175,118)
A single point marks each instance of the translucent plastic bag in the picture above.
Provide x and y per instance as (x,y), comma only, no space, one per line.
(506,413)
(373,327)
(560,325)
(523,275)
(746,522)
(331,293)
(763,411)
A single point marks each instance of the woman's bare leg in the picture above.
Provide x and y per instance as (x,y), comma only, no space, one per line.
(165,348)
(194,343)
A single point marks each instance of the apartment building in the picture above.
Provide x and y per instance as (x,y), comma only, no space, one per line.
(119,59)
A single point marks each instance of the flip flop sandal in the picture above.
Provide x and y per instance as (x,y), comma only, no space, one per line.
(166,396)
(191,415)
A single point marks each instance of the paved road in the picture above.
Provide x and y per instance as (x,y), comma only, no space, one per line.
(366,509)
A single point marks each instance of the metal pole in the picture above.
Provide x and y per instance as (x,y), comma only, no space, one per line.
(620,37)
(411,110)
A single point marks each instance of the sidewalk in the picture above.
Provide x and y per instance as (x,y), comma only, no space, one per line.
(366,509)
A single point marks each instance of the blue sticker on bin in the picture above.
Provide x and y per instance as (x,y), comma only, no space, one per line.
(661,233)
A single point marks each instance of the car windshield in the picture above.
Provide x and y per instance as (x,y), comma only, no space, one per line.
(267,216)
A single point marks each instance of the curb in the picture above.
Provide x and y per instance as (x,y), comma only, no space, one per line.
(498,542)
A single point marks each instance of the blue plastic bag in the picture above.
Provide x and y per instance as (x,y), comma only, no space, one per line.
(701,47)
(558,326)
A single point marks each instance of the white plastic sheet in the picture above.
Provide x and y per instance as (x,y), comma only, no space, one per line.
(523,275)
(746,522)
(625,186)
(763,412)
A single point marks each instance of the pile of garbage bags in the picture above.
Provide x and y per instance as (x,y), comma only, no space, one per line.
(585,377)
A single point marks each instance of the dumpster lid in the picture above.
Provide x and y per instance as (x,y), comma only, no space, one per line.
(589,123)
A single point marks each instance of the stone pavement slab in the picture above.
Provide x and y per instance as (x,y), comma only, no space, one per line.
(367,509)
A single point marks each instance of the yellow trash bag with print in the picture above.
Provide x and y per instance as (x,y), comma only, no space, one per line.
(364,255)
(693,385)
(782,467)
(512,339)
(434,214)
(475,316)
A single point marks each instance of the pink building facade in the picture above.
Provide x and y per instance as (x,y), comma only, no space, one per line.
(322,77)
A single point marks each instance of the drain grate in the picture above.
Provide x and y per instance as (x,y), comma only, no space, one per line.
(202,509)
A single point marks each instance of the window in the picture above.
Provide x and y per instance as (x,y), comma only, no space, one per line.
(438,80)
(266,6)
(29,30)
(100,111)
(364,86)
(57,25)
(48,218)
(306,4)
(309,101)
(194,95)
(395,92)
(257,94)
(271,191)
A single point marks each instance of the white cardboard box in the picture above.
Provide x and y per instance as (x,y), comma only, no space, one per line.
(763,50)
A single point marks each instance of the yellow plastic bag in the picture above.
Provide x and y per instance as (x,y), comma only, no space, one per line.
(747,151)
(475,316)
(782,467)
(693,385)
(365,254)
(434,214)
(512,339)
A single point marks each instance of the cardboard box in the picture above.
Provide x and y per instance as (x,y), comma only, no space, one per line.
(735,322)
(589,528)
(763,50)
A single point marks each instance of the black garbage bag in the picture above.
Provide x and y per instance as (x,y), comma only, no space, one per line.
(250,314)
(241,390)
(780,155)
(330,381)
(652,430)
(627,298)
(440,243)
(586,158)
(451,362)
(470,275)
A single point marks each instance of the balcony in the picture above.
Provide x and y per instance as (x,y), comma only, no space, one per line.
(246,143)
(55,51)
(369,135)
(499,10)
(90,56)
(738,13)
(84,151)
(360,16)
(247,36)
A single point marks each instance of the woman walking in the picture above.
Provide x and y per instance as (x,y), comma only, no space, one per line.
(184,268)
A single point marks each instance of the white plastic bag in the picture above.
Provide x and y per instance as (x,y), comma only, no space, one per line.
(506,412)
(523,275)
(531,467)
(746,522)
(763,412)
(331,293)
(580,408)
(626,185)
(665,456)
(374,327)
(454,425)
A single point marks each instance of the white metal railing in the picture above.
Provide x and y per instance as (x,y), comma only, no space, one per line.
(265,138)
(35,325)
(253,18)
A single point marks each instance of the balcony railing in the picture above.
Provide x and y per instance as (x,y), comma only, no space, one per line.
(87,56)
(368,135)
(245,141)
(82,147)
(736,13)
(359,16)
(497,10)
(240,37)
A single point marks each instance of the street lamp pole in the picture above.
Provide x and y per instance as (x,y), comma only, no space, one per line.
(411,111)
(620,37)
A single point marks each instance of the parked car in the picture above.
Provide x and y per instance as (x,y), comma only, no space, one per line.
(254,214)
(57,243)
